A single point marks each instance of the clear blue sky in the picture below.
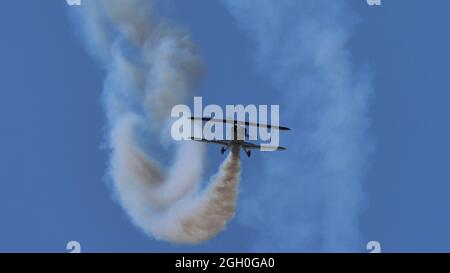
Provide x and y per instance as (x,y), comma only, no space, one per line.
(52,164)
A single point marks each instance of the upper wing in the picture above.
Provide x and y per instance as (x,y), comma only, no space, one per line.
(243,123)
(220,142)
(248,145)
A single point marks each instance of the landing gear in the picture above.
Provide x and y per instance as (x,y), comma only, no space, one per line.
(223,150)
(249,153)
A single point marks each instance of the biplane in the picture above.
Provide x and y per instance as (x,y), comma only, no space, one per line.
(239,132)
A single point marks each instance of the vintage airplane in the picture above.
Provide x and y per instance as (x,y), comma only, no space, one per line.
(239,132)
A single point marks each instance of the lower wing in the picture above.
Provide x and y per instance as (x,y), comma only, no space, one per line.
(247,145)
(220,142)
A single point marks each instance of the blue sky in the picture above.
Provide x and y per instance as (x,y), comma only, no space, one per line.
(53,164)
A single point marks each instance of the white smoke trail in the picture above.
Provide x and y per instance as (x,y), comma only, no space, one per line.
(170,209)
(302,46)
(151,67)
